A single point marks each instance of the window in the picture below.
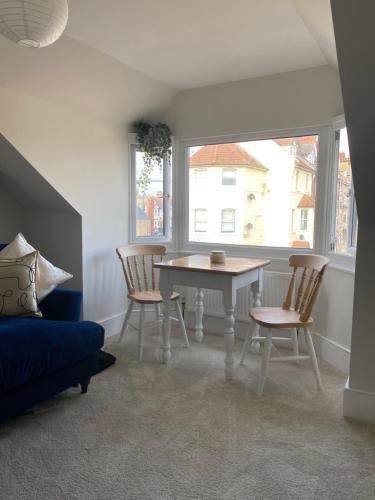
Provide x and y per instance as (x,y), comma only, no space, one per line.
(228,220)
(304,219)
(150,199)
(201,177)
(272,181)
(200,220)
(228,177)
(293,220)
(344,238)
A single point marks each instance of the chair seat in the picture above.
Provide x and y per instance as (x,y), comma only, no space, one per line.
(150,297)
(277,317)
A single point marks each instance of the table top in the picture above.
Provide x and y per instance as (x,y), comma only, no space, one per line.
(201,263)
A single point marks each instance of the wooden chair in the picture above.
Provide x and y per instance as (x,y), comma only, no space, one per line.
(297,318)
(140,275)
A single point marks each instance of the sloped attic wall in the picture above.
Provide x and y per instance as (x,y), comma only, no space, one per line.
(28,203)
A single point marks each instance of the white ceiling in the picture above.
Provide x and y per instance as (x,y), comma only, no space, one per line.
(194,43)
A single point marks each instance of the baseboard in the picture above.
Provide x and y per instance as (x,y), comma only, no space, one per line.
(113,324)
(335,354)
(332,352)
(359,405)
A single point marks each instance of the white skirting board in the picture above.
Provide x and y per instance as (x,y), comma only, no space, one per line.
(113,324)
(359,405)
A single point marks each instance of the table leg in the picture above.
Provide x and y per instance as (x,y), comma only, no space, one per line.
(166,290)
(229,304)
(257,288)
(199,314)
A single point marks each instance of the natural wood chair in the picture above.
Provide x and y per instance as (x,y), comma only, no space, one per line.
(140,275)
(298,318)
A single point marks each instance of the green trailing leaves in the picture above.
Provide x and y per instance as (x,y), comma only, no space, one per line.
(155,142)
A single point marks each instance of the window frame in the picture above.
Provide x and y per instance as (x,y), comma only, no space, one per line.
(305,220)
(341,261)
(232,211)
(167,194)
(196,178)
(232,170)
(200,221)
(181,198)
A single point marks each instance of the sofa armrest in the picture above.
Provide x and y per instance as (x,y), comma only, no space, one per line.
(62,305)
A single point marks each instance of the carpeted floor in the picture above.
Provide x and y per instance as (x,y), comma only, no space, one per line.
(144,431)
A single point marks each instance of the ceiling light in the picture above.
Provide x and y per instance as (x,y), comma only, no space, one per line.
(33,23)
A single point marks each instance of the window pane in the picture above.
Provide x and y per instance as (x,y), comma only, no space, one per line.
(200,220)
(228,177)
(346,219)
(149,199)
(272,198)
(201,177)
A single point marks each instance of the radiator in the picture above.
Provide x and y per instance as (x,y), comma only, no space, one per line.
(275,285)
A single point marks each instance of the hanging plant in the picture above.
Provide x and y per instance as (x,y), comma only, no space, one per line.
(155,142)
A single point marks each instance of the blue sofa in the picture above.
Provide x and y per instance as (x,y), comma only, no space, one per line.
(40,357)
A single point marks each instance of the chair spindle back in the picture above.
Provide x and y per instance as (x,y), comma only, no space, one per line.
(313,267)
(138,265)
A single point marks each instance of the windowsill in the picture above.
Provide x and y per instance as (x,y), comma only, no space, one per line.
(342,262)
(277,254)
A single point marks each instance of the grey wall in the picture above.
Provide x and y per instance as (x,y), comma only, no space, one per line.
(29,204)
(355,41)
(11,215)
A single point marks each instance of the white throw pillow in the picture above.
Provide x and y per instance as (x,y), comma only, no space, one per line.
(48,276)
(18,286)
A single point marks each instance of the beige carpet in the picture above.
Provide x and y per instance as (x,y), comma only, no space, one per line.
(144,431)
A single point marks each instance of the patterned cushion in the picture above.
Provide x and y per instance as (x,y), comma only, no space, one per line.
(18,286)
(48,276)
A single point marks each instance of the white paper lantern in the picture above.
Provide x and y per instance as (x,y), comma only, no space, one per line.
(33,23)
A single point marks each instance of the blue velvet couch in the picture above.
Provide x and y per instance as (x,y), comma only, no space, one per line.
(40,357)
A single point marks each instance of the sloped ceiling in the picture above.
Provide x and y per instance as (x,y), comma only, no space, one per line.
(70,73)
(198,43)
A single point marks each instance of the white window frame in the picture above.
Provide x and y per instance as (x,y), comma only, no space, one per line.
(341,261)
(305,220)
(167,171)
(232,170)
(200,221)
(181,196)
(197,181)
(232,211)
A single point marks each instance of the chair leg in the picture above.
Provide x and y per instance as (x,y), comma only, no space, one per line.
(182,323)
(295,342)
(311,349)
(265,359)
(157,312)
(127,316)
(247,343)
(141,331)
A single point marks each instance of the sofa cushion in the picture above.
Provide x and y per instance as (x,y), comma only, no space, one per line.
(48,276)
(34,347)
(18,287)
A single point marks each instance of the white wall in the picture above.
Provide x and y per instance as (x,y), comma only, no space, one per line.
(67,110)
(297,99)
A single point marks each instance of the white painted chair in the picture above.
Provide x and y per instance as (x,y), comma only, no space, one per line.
(297,318)
(140,275)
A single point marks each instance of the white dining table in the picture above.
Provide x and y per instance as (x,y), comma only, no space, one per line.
(198,272)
